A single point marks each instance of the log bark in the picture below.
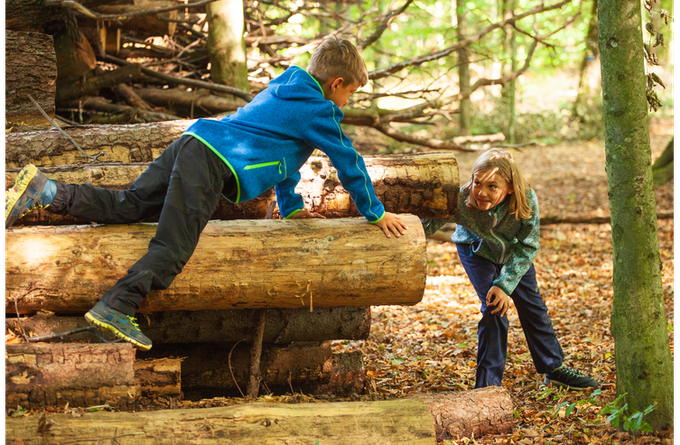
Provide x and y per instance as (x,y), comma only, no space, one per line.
(173,98)
(33,15)
(75,58)
(30,68)
(237,264)
(95,83)
(282,326)
(121,143)
(469,413)
(422,184)
(39,375)
(128,113)
(216,369)
(145,25)
(160,377)
(406,420)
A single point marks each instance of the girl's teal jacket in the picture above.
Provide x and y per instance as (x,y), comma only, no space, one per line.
(266,142)
(497,236)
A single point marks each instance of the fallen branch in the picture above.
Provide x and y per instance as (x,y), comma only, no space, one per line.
(182,81)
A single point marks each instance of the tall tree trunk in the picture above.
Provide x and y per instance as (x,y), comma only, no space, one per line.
(227,48)
(644,369)
(463,71)
(588,64)
(511,88)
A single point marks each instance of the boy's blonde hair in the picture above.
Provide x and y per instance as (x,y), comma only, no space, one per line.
(338,58)
(505,166)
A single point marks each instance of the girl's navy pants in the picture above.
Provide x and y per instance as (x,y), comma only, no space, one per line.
(183,185)
(492,330)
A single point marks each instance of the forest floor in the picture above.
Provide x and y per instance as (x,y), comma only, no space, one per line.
(432,346)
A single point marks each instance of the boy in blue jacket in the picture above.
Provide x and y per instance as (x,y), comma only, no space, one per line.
(263,144)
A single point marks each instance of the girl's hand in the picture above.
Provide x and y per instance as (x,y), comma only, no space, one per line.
(498,297)
(304,213)
(392,222)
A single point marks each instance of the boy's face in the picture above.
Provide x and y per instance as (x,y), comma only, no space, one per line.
(489,189)
(339,92)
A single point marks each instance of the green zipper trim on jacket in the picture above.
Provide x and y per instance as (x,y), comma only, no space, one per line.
(263,164)
(233,172)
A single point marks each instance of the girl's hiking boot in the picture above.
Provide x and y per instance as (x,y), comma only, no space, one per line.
(32,190)
(123,326)
(565,377)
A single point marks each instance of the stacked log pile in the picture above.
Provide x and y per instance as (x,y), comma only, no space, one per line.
(254,308)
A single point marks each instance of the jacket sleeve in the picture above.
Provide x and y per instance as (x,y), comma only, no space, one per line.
(523,252)
(289,201)
(326,134)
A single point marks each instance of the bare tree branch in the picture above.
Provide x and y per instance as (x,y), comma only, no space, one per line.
(94,15)
(384,23)
(384,72)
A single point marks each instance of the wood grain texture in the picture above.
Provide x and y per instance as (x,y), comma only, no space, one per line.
(237,264)
(426,185)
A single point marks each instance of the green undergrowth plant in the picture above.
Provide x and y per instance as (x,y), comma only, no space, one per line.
(617,416)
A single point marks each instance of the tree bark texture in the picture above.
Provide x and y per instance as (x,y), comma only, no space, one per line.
(75,58)
(220,369)
(199,100)
(282,326)
(33,15)
(38,375)
(161,377)
(237,264)
(475,413)
(30,68)
(644,368)
(423,184)
(94,83)
(120,143)
(226,46)
(158,24)
(465,118)
(396,421)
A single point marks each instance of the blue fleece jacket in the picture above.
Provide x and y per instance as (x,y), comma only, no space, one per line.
(497,236)
(266,143)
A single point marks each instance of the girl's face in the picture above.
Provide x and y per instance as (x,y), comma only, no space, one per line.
(489,189)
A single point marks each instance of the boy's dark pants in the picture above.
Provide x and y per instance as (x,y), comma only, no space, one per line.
(184,185)
(493,330)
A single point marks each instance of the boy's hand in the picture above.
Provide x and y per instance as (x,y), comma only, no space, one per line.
(392,222)
(304,213)
(498,297)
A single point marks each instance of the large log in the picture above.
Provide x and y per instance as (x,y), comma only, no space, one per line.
(30,68)
(39,375)
(400,421)
(223,369)
(422,184)
(282,326)
(237,264)
(121,143)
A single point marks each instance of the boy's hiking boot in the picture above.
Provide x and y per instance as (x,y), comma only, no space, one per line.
(32,190)
(123,326)
(565,377)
